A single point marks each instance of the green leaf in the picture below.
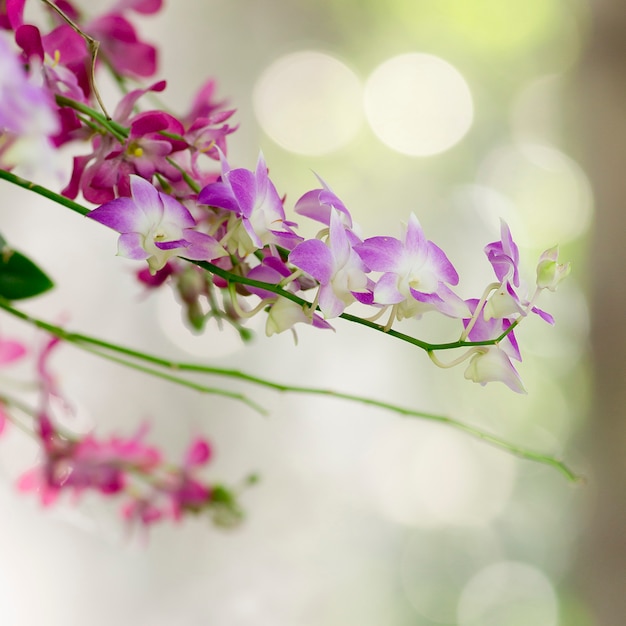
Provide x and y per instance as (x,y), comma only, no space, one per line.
(19,276)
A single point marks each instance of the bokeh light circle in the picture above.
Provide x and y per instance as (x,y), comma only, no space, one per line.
(309,102)
(436,564)
(551,192)
(508,593)
(418,104)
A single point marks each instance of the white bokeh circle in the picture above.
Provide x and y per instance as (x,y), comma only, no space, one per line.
(418,104)
(309,102)
(508,593)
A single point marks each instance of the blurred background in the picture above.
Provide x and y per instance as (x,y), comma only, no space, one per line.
(464,113)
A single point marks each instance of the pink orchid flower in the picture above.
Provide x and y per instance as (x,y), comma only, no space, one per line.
(416,273)
(155,227)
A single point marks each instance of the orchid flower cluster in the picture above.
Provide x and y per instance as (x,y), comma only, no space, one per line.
(150,488)
(218,234)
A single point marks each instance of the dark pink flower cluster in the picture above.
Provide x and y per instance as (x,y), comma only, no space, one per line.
(136,473)
(151,489)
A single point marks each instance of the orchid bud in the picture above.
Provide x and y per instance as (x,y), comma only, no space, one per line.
(549,272)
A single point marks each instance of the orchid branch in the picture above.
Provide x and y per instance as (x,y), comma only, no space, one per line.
(231,277)
(100,347)
(92,345)
(43,191)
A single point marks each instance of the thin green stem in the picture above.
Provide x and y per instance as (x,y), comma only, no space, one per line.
(8,401)
(117,130)
(87,343)
(92,44)
(191,183)
(424,345)
(96,347)
(43,191)
(218,391)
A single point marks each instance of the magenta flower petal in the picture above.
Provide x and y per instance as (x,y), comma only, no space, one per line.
(146,7)
(201,247)
(242,183)
(442,264)
(10,351)
(330,304)
(317,205)
(415,242)
(122,47)
(130,245)
(218,195)
(264,274)
(338,240)
(176,213)
(380,254)
(314,257)
(171,245)
(543,315)
(386,290)
(146,197)
(121,214)
(3,419)
(198,453)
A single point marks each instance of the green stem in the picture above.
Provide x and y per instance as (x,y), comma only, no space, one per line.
(117,130)
(191,183)
(218,391)
(87,343)
(20,406)
(424,345)
(90,344)
(42,191)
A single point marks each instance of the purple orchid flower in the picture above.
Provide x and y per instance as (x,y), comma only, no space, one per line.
(336,266)
(506,300)
(106,170)
(155,227)
(493,363)
(127,54)
(415,273)
(317,203)
(253,199)
(27,115)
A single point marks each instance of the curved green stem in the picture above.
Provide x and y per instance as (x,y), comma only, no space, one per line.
(218,391)
(424,345)
(43,191)
(117,130)
(96,346)
(91,343)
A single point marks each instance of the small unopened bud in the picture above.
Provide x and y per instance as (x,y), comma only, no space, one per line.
(549,272)
(191,285)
